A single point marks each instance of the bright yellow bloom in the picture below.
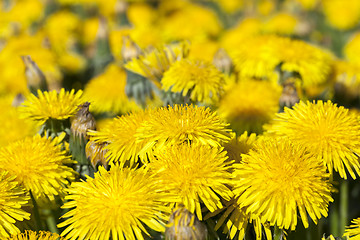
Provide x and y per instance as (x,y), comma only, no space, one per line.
(51,105)
(115,204)
(12,126)
(12,198)
(31,235)
(250,104)
(308,4)
(281,23)
(72,62)
(120,136)
(201,80)
(347,79)
(106,92)
(342,16)
(39,164)
(179,124)
(197,174)
(352,48)
(329,132)
(278,179)
(353,231)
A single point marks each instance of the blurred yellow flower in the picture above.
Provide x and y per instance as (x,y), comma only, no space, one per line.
(31,235)
(12,198)
(106,92)
(280,23)
(200,80)
(295,180)
(342,15)
(249,104)
(352,48)
(347,79)
(39,165)
(51,105)
(196,174)
(128,200)
(329,132)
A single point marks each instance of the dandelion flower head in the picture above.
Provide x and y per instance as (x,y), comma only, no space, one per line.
(196,174)
(32,235)
(295,182)
(127,199)
(329,132)
(342,16)
(353,231)
(199,79)
(352,48)
(12,198)
(51,105)
(39,165)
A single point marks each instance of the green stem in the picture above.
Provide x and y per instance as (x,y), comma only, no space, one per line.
(51,223)
(38,223)
(278,233)
(344,205)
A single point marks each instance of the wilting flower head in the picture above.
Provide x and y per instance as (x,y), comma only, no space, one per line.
(353,231)
(329,132)
(196,174)
(250,104)
(279,179)
(39,165)
(179,124)
(117,204)
(184,225)
(31,235)
(12,198)
(51,105)
(201,80)
(83,121)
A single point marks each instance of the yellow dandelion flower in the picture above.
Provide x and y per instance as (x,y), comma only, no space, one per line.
(295,181)
(51,105)
(106,92)
(179,124)
(281,23)
(353,231)
(250,104)
(342,16)
(120,137)
(38,164)
(199,79)
(240,145)
(197,174)
(127,199)
(307,4)
(230,6)
(89,30)
(312,63)
(31,235)
(12,198)
(347,79)
(352,48)
(329,132)
(141,14)
(72,62)
(13,127)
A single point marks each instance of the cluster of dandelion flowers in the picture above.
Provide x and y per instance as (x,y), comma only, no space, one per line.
(201,80)
(32,235)
(51,105)
(12,198)
(195,173)
(179,124)
(249,104)
(117,204)
(295,180)
(106,92)
(353,231)
(330,132)
(119,136)
(39,164)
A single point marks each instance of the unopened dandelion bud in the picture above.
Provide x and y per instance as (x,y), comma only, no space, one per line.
(35,77)
(95,152)
(18,100)
(184,225)
(129,49)
(289,95)
(83,121)
(222,61)
(121,7)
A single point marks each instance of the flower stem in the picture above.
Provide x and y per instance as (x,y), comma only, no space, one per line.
(278,233)
(344,205)
(38,223)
